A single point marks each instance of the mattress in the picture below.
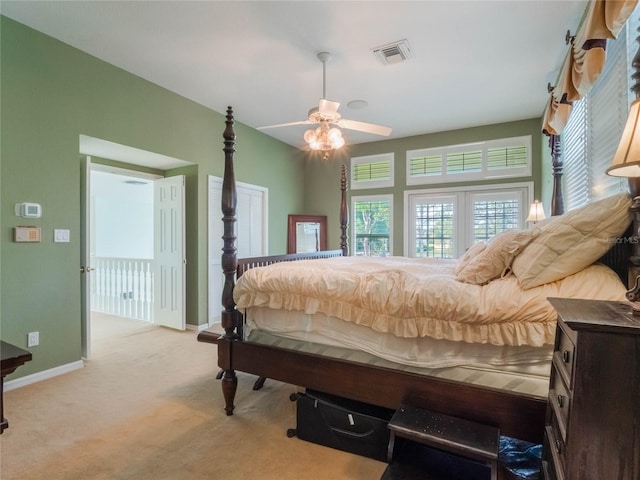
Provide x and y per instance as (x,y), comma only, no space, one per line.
(527,379)
(419,352)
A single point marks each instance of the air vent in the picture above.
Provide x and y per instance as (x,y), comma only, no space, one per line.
(393,53)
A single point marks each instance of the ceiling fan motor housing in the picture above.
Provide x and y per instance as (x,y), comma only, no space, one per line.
(316,116)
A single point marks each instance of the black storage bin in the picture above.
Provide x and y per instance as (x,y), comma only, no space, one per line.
(343,424)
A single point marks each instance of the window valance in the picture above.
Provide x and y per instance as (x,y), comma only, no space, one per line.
(604,19)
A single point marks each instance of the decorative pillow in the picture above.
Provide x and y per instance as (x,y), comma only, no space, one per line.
(494,261)
(573,241)
(471,252)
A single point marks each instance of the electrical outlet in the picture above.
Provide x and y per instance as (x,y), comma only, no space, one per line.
(33,339)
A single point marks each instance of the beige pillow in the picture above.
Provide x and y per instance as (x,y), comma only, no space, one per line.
(571,242)
(494,261)
(471,252)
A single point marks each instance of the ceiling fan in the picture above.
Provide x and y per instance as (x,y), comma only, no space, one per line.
(326,115)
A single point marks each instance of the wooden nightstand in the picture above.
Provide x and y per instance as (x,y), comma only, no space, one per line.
(12,358)
(592,427)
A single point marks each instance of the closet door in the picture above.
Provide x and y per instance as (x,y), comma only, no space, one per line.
(251,230)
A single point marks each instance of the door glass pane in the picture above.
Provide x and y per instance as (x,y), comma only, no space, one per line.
(435,230)
(492,216)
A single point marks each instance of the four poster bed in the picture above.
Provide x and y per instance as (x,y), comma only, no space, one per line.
(458,342)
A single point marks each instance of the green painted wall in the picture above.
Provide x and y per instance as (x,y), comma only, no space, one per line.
(322,178)
(51,93)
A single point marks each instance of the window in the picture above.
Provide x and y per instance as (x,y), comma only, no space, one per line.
(591,136)
(443,223)
(507,157)
(372,171)
(372,225)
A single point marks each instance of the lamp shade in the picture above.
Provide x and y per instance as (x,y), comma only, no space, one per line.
(626,162)
(536,212)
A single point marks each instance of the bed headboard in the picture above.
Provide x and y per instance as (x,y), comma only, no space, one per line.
(619,255)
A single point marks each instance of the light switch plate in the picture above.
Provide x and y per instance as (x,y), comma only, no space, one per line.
(61,235)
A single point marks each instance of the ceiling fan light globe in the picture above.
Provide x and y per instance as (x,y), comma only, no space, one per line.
(309,136)
(334,134)
(339,143)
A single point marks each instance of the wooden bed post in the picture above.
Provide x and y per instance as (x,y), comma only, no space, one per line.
(229,264)
(557,200)
(344,212)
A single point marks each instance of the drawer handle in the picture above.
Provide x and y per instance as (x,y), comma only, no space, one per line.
(565,356)
(558,446)
(561,400)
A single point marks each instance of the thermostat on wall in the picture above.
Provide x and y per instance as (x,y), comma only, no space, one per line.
(29,210)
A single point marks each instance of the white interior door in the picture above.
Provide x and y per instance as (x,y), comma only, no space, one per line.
(251,229)
(169,253)
(85,256)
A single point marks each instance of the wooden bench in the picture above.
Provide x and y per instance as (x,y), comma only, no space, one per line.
(450,434)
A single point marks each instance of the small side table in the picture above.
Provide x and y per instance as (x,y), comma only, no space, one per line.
(451,434)
(11,357)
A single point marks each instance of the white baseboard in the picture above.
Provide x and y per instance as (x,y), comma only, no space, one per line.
(43,375)
(197,328)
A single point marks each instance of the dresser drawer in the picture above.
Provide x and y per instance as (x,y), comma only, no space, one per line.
(564,355)
(560,400)
(548,472)
(550,466)
(557,445)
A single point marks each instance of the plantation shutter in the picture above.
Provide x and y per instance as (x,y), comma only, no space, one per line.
(425,165)
(608,112)
(574,151)
(463,162)
(372,171)
(507,157)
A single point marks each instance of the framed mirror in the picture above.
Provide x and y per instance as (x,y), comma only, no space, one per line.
(306,233)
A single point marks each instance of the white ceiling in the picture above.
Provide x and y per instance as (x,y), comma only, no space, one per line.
(476,62)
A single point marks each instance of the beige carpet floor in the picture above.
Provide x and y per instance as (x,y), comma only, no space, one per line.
(147,406)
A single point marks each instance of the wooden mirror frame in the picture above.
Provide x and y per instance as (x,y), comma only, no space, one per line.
(292,240)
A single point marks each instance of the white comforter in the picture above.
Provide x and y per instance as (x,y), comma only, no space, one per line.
(420,297)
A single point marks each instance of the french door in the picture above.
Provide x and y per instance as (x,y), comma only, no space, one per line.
(443,223)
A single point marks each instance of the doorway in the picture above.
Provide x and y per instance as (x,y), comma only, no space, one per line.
(121,243)
(123,260)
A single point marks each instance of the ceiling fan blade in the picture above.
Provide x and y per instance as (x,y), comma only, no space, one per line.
(365,127)
(302,122)
(327,107)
